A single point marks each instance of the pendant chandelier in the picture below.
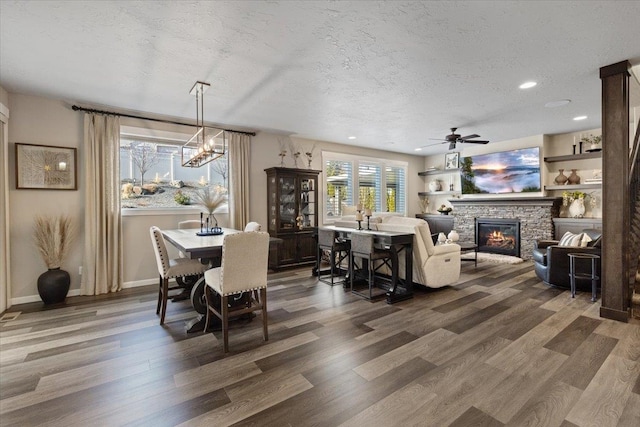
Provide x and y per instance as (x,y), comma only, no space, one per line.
(208,143)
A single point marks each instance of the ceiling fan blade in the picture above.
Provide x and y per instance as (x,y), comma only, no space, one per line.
(476,142)
(464,138)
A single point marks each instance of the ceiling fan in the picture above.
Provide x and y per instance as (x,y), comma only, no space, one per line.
(454,138)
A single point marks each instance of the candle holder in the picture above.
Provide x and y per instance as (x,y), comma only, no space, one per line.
(359,218)
(368,224)
(359,221)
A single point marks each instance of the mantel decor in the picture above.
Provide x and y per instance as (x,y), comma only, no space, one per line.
(45,167)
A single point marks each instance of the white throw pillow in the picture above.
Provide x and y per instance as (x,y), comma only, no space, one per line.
(570,239)
(585,240)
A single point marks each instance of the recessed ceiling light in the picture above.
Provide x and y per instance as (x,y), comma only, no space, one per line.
(527,85)
(558,103)
(580,118)
(352,137)
(417,149)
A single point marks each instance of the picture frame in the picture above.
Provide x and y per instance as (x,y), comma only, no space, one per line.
(45,167)
(452,160)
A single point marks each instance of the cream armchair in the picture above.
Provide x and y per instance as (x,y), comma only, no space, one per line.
(433,266)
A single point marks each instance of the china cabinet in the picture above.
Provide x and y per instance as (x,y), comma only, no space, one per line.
(292,212)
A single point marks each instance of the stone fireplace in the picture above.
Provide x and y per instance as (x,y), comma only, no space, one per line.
(498,236)
(535,215)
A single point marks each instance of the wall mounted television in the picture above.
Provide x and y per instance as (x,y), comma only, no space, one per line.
(505,172)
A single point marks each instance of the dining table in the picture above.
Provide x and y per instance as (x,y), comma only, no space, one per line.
(397,242)
(207,248)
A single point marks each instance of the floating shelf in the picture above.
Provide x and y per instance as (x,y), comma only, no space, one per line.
(437,193)
(569,157)
(438,172)
(573,187)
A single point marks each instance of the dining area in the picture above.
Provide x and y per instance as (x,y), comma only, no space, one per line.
(224,271)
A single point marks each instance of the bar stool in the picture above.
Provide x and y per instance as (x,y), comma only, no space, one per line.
(337,249)
(573,275)
(362,247)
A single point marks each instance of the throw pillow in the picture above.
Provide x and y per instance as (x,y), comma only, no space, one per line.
(570,239)
(585,240)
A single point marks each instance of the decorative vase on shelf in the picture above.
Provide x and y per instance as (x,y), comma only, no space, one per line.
(577,209)
(574,178)
(561,179)
(453,236)
(434,185)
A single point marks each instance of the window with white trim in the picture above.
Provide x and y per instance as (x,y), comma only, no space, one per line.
(378,184)
(152,175)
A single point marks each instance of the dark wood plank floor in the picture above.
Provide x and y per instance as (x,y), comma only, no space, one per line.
(500,348)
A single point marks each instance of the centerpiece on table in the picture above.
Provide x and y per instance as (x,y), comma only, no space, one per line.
(210,200)
(52,236)
(444,209)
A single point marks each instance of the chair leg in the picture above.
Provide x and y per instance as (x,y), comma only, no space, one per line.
(263,301)
(165,298)
(224,310)
(207,316)
(159,294)
(370,279)
(333,264)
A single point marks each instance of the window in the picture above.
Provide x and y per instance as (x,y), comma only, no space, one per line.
(152,175)
(378,191)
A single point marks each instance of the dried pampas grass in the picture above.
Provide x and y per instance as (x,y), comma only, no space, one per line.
(52,236)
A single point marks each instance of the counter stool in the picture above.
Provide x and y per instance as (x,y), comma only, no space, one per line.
(338,251)
(362,247)
(573,275)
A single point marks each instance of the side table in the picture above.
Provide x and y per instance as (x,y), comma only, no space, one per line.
(468,247)
(573,274)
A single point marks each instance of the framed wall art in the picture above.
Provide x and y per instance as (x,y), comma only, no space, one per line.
(451,160)
(45,167)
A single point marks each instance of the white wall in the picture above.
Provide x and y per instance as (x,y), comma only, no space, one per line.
(37,120)
(45,121)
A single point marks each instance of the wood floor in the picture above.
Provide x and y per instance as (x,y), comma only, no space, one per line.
(500,348)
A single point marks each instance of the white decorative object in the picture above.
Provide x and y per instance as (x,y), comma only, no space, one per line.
(576,208)
(453,236)
(442,238)
(434,185)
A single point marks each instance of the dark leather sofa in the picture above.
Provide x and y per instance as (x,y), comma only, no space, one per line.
(551,261)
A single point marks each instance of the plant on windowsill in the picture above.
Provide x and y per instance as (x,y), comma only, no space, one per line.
(52,236)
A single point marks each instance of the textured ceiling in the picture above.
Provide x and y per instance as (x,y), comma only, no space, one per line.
(391,73)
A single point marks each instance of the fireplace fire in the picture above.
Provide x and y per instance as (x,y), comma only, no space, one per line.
(501,236)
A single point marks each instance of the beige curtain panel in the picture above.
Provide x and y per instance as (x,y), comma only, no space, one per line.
(102,262)
(239,167)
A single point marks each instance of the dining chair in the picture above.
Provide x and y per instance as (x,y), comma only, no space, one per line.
(362,247)
(170,269)
(243,270)
(338,253)
(253,226)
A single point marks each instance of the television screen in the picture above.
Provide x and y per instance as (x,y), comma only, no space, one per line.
(515,171)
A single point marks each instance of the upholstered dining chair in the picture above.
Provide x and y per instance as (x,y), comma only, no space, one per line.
(243,270)
(362,247)
(187,282)
(338,253)
(170,269)
(253,226)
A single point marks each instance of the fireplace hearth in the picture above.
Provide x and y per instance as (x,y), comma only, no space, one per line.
(498,235)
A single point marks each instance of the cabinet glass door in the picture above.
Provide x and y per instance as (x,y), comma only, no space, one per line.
(307,203)
(273,203)
(288,202)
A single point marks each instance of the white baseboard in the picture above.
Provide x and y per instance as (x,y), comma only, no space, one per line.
(76,292)
(36,298)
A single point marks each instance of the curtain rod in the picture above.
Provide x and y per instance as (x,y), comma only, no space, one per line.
(132,116)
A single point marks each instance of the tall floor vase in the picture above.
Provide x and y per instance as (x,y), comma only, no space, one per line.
(53,285)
